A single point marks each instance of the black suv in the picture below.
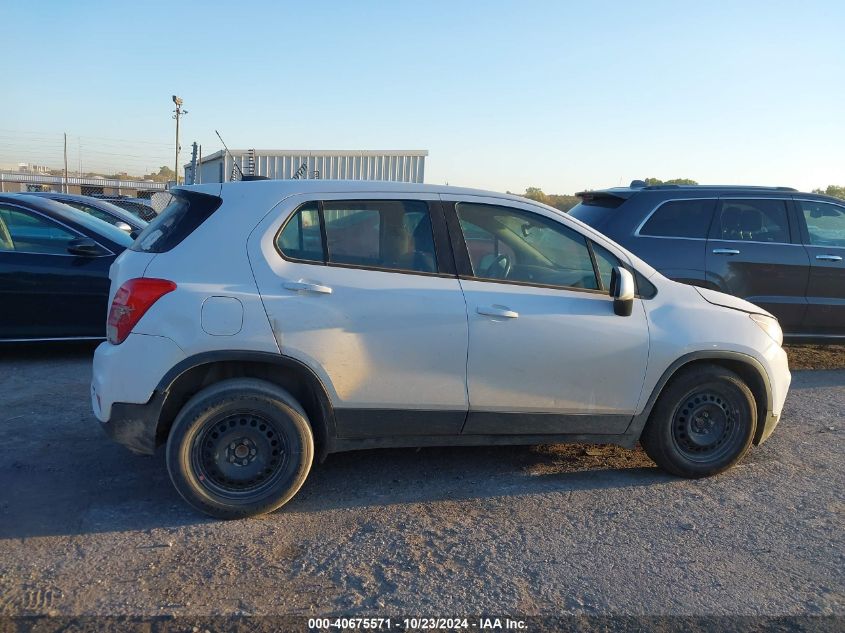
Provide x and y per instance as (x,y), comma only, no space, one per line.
(774,246)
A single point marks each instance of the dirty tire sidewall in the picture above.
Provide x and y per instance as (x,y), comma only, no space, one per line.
(240,397)
(663,447)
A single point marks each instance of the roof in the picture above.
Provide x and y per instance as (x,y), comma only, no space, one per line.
(627,192)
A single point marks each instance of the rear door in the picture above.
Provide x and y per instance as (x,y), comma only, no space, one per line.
(755,253)
(45,291)
(823,228)
(363,291)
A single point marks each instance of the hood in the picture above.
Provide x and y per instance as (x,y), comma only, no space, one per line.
(729,301)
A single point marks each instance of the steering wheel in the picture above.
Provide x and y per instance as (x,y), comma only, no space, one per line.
(503,264)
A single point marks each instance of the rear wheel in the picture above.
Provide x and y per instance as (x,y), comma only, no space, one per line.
(239,448)
(702,424)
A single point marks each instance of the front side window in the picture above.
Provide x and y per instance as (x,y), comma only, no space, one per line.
(752,221)
(513,245)
(30,233)
(680,218)
(825,222)
(606,262)
(389,234)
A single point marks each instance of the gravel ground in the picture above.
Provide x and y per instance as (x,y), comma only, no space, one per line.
(87,528)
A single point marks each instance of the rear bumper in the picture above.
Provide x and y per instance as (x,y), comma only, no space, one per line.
(134,425)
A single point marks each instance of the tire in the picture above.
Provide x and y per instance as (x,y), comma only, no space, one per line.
(702,424)
(239,448)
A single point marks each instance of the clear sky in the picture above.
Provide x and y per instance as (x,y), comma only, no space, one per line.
(560,95)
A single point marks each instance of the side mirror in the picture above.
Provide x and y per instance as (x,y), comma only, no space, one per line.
(622,289)
(85,247)
(123,226)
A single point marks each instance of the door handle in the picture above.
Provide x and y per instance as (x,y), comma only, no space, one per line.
(497,311)
(829,258)
(302,286)
(725,251)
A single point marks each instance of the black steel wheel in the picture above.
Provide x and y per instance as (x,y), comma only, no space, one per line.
(240,454)
(703,422)
(239,448)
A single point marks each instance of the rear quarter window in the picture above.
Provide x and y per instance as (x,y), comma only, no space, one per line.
(186,211)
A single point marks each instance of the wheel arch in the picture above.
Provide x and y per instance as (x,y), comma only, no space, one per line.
(746,367)
(202,370)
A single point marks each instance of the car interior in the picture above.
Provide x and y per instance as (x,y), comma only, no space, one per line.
(24,233)
(504,244)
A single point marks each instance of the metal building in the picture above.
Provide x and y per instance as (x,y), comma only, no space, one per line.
(393,165)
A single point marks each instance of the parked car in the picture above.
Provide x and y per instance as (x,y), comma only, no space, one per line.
(139,207)
(774,246)
(54,266)
(106,211)
(255,325)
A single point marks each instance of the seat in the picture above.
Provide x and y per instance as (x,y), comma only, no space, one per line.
(420,249)
(731,223)
(751,225)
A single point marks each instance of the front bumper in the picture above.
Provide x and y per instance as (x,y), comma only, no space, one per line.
(779,378)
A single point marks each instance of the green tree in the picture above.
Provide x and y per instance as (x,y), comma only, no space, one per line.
(535,193)
(164,174)
(836,191)
(671,181)
(558,201)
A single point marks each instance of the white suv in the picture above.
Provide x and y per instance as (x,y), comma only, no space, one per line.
(254,325)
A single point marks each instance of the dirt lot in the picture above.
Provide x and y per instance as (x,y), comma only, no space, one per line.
(88,528)
(816,356)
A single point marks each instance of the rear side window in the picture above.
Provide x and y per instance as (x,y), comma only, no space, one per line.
(300,238)
(380,234)
(752,221)
(389,234)
(186,211)
(680,218)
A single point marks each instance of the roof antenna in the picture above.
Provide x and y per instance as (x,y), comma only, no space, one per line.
(234,164)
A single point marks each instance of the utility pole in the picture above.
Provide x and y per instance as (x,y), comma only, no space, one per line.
(178,113)
(66,187)
(199,175)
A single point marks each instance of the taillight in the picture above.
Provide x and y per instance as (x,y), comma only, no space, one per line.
(130,303)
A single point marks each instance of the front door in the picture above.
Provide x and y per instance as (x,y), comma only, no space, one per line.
(547,354)
(753,253)
(45,292)
(825,243)
(363,292)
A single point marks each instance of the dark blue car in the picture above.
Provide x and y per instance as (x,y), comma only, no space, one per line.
(54,267)
(779,248)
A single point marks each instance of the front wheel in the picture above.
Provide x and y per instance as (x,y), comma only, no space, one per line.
(239,448)
(702,424)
